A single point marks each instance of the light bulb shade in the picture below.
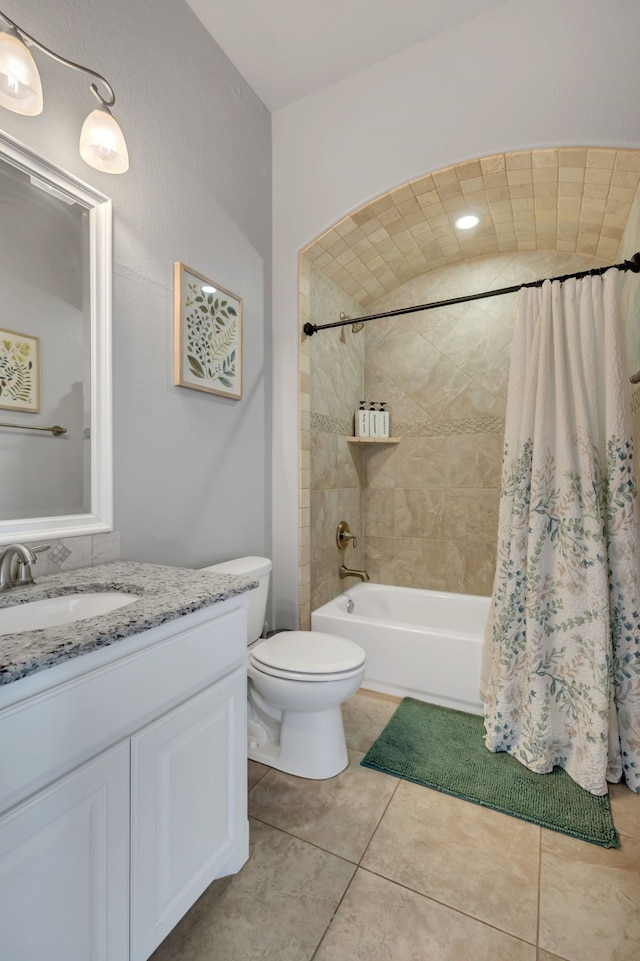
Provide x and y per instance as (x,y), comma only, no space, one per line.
(20,86)
(102,143)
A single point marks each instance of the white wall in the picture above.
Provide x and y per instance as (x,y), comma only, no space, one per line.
(524,75)
(192,470)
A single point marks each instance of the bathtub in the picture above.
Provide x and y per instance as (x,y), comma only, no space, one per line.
(422,644)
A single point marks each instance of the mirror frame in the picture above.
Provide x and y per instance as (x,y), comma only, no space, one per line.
(100,517)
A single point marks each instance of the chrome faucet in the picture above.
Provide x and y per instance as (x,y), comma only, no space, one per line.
(15,565)
(345,572)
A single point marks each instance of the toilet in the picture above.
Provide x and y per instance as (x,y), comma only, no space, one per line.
(297,681)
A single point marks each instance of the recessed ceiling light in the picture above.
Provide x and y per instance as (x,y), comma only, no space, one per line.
(467,222)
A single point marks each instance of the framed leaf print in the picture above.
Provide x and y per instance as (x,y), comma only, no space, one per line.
(19,371)
(207,335)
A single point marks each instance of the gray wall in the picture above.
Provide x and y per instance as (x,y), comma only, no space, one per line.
(192,470)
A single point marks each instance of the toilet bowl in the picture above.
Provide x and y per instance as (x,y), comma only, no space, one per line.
(297,681)
(305,675)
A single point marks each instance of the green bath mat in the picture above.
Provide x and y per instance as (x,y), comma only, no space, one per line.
(444,750)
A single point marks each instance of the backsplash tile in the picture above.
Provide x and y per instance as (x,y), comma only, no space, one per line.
(105,547)
(73,553)
(58,554)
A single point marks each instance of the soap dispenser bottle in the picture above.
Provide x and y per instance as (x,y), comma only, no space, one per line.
(374,420)
(362,421)
(384,419)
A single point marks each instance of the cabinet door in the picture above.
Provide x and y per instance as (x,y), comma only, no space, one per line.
(189,807)
(64,867)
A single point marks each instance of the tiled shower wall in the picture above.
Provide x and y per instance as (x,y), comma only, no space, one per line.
(431,502)
(426,509)
(336,383)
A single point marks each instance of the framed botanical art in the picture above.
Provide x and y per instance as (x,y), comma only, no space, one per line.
(207,335)
(19,371)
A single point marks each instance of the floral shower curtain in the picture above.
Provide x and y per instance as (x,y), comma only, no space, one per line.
(564,683)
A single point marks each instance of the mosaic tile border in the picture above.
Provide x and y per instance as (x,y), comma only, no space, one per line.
(441,428)
(323,423)
(326,424)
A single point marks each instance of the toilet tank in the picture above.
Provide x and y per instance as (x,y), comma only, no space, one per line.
(258,569)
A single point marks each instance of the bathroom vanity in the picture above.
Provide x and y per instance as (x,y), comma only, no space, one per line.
(122,762)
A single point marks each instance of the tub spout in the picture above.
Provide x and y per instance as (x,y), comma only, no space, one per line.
(345,572)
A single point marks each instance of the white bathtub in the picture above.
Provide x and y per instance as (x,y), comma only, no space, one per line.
(422,644)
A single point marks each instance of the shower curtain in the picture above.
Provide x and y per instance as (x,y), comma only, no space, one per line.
(564,681)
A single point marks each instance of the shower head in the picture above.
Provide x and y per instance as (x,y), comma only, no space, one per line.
(355,326)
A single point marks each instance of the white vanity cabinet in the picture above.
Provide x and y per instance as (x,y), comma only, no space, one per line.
(186,782)
(64,867)
(123,790)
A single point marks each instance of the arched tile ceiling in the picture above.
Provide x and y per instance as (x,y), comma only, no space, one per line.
(570,199)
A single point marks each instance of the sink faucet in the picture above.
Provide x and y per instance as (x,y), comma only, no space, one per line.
(15,565)
(345,572)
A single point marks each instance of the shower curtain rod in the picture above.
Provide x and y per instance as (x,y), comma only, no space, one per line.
(633,265)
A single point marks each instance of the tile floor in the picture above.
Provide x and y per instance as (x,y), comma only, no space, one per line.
(366,867)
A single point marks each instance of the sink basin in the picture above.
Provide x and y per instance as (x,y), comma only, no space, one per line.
(54,611)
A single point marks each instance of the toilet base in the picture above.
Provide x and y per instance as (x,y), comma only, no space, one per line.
(311,744)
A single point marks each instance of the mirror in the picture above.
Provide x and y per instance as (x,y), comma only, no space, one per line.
(55,351)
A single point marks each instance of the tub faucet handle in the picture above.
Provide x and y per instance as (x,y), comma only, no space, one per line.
(344,535)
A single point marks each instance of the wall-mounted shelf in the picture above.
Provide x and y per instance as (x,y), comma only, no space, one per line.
(374,440)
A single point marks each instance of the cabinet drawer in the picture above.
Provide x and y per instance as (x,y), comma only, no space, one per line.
(48,734)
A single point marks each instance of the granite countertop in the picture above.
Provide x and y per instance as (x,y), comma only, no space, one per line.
(165,594)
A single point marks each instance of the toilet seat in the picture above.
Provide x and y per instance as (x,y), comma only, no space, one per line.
(307,656)
(299,676)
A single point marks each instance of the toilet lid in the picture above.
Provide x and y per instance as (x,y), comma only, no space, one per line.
(308,652)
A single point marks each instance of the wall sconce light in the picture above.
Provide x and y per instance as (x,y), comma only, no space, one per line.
(102,143)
